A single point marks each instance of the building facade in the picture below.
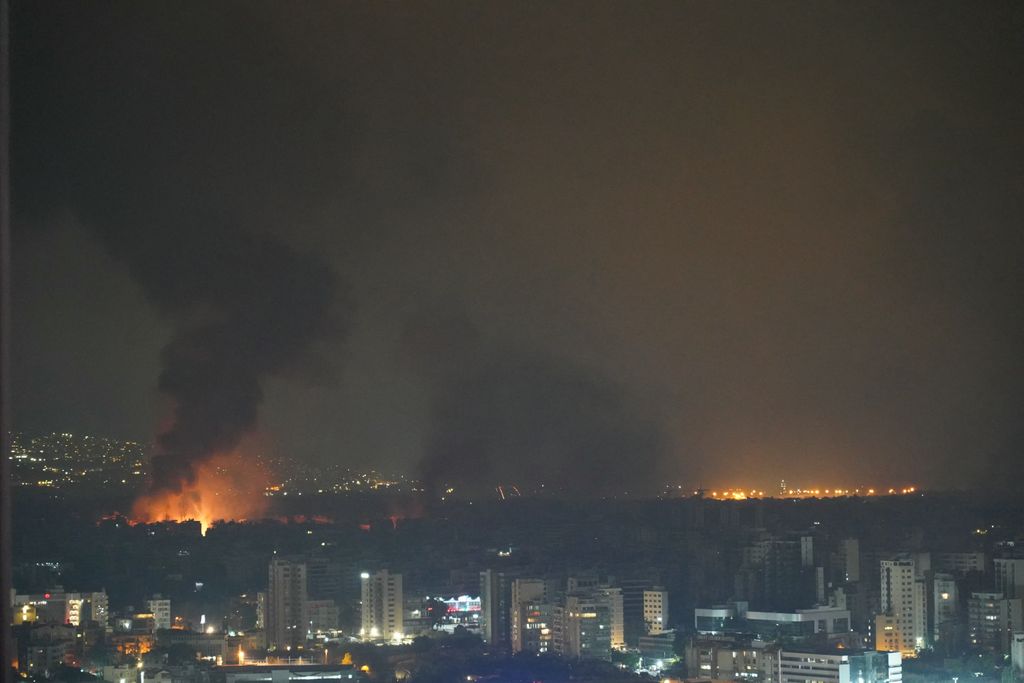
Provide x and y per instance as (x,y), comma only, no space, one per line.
(992,619)
(382,606)
(286,617)
(840,667)
(160,607)
(901,624)
(656,611)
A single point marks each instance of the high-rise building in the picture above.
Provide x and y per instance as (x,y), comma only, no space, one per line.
(322,616)
(656,611)
(527,597)
(582,628)
(611,598)
(945,607)
(325,579)
(901,625)
(160,607)
(99,608)
(633,588)
(496,608)
(261,611)
(1009,576)
(1017,655)
(992,619)
(286,603)
(849,552)
(74,608)
(382,606)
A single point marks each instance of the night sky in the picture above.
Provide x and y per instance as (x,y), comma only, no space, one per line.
(716,242)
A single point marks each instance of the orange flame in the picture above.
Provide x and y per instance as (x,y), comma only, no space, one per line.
(226,488)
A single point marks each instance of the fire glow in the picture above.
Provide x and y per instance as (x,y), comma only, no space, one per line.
(225,488)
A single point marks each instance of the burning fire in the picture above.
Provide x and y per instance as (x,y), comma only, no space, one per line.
(226,488)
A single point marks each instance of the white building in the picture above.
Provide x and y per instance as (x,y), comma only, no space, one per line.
(735,617)
(381,606)
(902,624)
(293,672)
(840,667)
(656,611)
(161,610)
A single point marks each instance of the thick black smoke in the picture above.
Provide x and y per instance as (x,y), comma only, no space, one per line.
(253,307)
(127,163)
(245,307)
(504,415)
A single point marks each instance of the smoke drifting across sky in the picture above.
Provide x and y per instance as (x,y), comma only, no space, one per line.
(794,228)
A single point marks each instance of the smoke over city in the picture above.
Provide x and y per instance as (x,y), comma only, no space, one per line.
(244,307)
(808,260)
(523,418)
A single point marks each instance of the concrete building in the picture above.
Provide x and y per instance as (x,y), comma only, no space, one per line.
(160,608)
(736,659)
(286,603)
(381,606)
(945,607)
(321,616)
(849,554)
(58,607)
(527,597)
(496,608)
(656,611)
(901,625)
(287,673)
(840,666)
(611,598)
(1009,576)
(74,610)
(736,618)
(1017,655)
(633,587)
(992,619)
(582,627)
(960,563)
(660,647)
(99,608)
(261,611)
(537,631)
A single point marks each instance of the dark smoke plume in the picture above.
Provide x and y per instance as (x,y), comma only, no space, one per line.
(130,158)
(245,307)
(513,416)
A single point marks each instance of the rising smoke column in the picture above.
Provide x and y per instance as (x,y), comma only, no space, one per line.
(183,156)
(512,415)
(245,307)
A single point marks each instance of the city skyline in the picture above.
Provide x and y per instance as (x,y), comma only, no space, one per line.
(558,341)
